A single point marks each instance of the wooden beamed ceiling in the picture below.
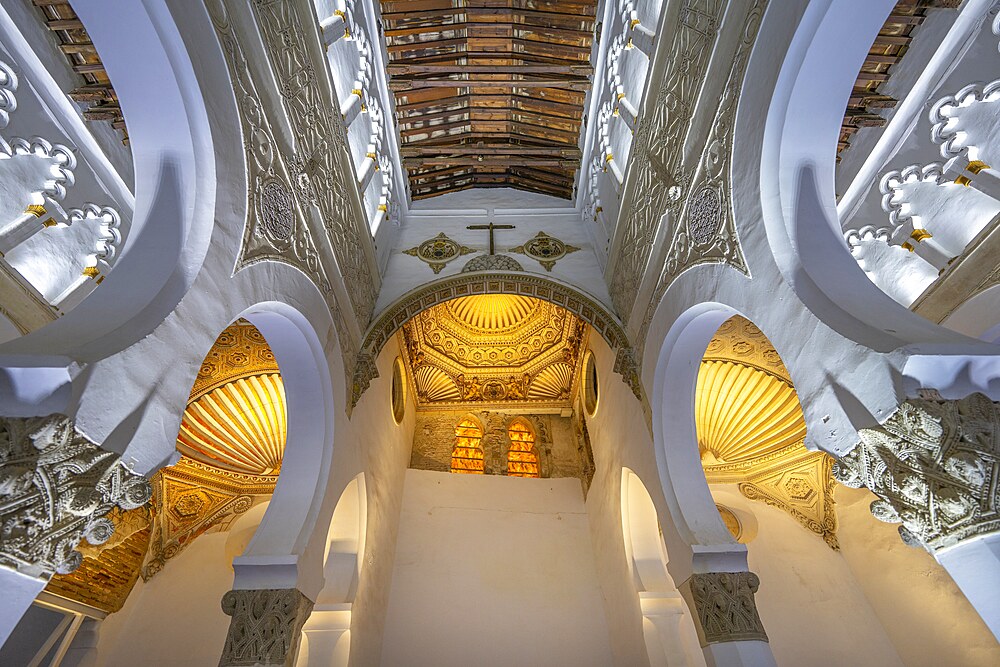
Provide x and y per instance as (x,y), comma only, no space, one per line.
(490,93)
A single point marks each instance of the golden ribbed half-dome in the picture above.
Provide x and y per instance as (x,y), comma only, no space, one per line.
(743,413)
(493,312)
(240,425)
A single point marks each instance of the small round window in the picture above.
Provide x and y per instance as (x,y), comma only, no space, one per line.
(398,391)
(590,391)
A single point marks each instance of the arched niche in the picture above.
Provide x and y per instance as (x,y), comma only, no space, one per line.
(327,634)
(588,309)
(668,628)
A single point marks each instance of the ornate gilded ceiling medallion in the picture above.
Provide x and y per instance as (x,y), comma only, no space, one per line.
(751,429)
(438,251)
(545,249)
(494,348)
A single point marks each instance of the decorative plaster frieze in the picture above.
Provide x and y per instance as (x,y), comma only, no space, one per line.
(322,156)
(705,231)
(934,465)
(265,628)
(724,606)
(8,86)
(63,162)
(658,148)
(271,233)
(57,488)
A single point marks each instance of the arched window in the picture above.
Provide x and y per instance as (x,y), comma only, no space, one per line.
(467,457)
(522,461)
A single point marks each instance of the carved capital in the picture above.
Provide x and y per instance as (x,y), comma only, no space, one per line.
(56,488)
(265,627)
(724,606)
(934,465)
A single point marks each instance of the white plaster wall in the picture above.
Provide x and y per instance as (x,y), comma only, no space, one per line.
(529,212)
(175,619)
(494,571)
(813,609)
(928,619)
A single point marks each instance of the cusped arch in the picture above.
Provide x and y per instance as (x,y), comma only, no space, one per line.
(584,306)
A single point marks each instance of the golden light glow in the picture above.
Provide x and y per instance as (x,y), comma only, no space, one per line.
(467,456)
(239,426)
(494,348)
(493,313)
(751,429)
(522,461)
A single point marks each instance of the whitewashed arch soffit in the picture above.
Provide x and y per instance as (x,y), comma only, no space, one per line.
(175,169)
(796,160)
(584,306)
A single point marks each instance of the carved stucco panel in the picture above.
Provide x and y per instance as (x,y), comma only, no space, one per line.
(724,606)
(935,467)
(56,488)
(265,628)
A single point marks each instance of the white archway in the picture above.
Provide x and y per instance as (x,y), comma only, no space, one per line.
(671,638)
(327,634)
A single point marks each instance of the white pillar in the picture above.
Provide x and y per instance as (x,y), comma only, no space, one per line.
(326,637)
(334,28)
(352,106)
(975,174)
(24,227)
(975,567)
(610,164)
(642,38)
(79,289)
(19,591)
(665,611)
(366,172)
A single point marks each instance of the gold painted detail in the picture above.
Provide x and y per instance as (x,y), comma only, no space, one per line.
(731,520)
(751,430)
(36,210)
(976,166)
(919,235)
(91,271)
(438,251)
(191,499)
(545,249)
(49,223)
(493,348)
(239,352)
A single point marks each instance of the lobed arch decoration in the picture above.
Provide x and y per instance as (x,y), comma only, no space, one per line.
(575,301)
(467,456)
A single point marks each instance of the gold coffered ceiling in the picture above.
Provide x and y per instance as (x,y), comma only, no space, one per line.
(495,348)
(751,429)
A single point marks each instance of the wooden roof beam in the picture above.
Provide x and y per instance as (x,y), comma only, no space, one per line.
(409,83)
(404,69)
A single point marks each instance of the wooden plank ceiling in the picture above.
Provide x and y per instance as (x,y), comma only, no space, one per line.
(490,93)
(889,47)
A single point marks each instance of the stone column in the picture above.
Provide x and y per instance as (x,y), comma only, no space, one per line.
(729,628)
(265,628)
(56,488)
(935,466)
(327,638)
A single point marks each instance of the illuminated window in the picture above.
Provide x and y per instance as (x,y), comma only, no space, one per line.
(522,461)
(467,457)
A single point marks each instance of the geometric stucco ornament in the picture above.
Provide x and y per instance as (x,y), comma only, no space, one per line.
(547,250)
(438,251)
(265,627)
(725,607)
(934,465)
(492,263)
(56,488)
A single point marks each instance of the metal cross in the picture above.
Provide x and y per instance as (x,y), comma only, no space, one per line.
(491,227)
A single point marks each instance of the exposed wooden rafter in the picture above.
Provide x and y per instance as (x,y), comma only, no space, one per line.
(490,93)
